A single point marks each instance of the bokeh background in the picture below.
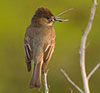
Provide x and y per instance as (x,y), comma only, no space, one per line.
(15,16)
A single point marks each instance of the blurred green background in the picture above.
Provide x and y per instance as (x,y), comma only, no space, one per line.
(15,16)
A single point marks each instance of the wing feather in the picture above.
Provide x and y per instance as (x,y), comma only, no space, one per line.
(47,55)
(28,51)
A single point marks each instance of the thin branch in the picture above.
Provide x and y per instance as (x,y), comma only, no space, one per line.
(60,19)
(71,91)
(68,78)
(83,47)
(64,12)
(57,18)
(45,82)
(92,72)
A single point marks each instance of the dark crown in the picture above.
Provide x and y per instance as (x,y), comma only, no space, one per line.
(43,12)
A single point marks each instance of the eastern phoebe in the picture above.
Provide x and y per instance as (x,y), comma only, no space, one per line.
(39,43)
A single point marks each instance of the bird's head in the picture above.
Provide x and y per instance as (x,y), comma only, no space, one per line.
(45,17)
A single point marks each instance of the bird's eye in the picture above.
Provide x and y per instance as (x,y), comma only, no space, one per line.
(48,17)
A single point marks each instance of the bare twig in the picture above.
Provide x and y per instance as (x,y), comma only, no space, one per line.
(83,47)
(60,19)
(92,72)
(71,91)
(68,78)
(64,12)
(45,82)
(57,18)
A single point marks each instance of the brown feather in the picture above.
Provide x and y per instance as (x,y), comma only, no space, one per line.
(39,44)
(47,56)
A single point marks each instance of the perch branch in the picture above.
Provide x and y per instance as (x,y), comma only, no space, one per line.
(68,78)
(45,82)
(92,72)
(83,47)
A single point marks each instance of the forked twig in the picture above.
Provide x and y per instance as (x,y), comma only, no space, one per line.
(92,72)
(57,18)
(68,78)
(83,47)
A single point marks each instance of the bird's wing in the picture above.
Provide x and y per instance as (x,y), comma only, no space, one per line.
(28,52)
(49,48)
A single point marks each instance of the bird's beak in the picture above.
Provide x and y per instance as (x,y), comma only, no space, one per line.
(53,20)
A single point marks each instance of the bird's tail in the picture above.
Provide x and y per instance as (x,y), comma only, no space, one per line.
(36,76)
(29,66)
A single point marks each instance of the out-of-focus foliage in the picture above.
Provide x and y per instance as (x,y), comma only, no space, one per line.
(15,16)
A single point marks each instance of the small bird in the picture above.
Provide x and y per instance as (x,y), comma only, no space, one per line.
(39,43)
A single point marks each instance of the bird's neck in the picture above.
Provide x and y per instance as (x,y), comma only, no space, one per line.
(39,23)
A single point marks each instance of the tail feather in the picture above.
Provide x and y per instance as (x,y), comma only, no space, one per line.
(36,76)
(29,66)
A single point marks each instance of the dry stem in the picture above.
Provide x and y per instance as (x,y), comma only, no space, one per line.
(45,82)
(83,47)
